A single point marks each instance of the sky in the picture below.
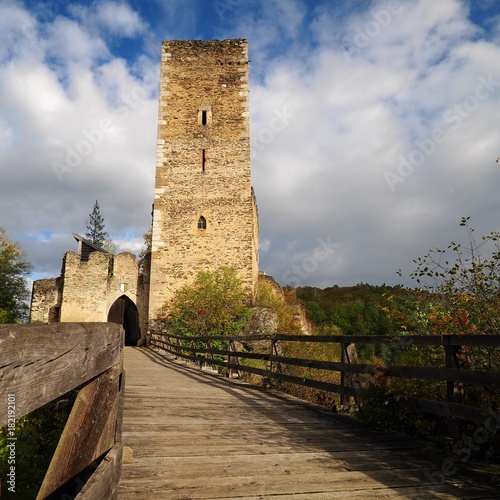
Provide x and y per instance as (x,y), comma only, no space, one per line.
(374,125)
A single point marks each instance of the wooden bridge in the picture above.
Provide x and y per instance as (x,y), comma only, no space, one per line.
(190,434)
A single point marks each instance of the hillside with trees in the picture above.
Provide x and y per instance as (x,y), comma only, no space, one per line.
(356,310)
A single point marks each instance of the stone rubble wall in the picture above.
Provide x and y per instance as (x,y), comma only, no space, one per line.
(86,290)
(46,301)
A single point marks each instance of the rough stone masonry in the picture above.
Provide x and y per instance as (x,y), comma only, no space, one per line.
(205,212)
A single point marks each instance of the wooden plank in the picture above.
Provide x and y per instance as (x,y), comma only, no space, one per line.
(339,483)
(433,373)
(89,431)
(436,492)
(104,482)
(315,384)
(39,363)
(416,372)
(271,464)
(403,340)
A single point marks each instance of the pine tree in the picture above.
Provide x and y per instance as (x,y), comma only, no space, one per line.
(95,227)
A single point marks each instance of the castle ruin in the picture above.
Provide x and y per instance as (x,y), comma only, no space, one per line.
(204,212)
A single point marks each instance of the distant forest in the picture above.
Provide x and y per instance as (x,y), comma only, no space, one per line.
(355,310)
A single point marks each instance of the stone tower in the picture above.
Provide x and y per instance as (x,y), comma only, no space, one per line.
(204,214)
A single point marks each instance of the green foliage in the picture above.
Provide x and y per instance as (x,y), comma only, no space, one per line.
(315,313)
(268,297)
(109,247)
(457,293)
(95,227)
(213,305)
(356,310)
(37,436)
(378,408)
(14,293)
(146,251)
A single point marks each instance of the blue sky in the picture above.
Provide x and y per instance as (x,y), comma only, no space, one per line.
(374,125)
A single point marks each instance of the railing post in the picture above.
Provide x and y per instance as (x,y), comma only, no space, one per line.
(180,348)
(344,398)
(232,360)
(273,341)
(450,362)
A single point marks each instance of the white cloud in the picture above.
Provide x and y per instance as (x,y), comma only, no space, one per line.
(120,19)
(325,171)
(134,245)
(77,106)
(19,28)
(336,105)
(68,42)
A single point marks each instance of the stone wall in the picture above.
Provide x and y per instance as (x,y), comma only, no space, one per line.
(85,287)
(202,174)
(86,290)
(46,301)
(203,168)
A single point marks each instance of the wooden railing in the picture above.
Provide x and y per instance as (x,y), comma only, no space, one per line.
(353,375)
(38,364)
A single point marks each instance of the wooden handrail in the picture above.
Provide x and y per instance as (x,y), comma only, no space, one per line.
(38,364)
(450,373)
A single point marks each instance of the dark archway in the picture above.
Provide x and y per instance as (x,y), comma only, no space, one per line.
(125,313)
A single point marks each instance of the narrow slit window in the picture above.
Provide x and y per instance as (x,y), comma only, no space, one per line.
(202,223)
(203,159)
(204,116)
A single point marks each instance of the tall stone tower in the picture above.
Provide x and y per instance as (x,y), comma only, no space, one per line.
(204,214)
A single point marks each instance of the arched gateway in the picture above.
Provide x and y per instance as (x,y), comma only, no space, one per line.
(125,313)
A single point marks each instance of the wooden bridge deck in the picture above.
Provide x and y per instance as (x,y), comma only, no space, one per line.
(192,435)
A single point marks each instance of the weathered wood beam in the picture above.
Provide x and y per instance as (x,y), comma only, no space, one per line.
(89,431)
(105,480)
(39,362)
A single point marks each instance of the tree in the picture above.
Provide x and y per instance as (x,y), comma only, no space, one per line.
(213,305)
(146,251)
(14,293)
(95,227)
(458,294)
(109,247)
